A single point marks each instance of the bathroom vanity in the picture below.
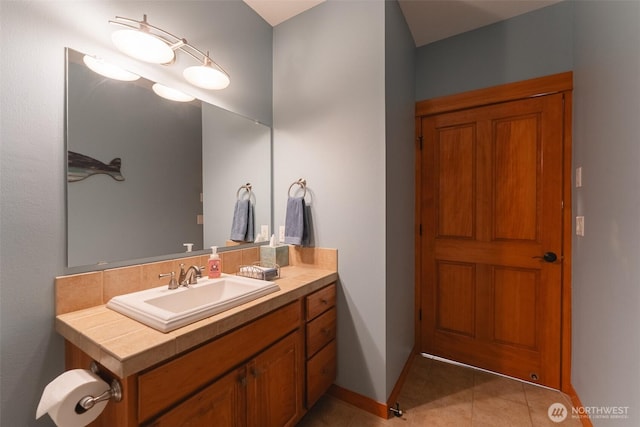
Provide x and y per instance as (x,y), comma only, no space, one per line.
(264,363)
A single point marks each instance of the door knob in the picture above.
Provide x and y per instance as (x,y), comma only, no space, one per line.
(548,257)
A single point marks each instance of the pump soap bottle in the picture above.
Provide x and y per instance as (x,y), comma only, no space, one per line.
(213,266)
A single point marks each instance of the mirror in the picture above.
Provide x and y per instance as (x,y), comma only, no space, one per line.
(147,175)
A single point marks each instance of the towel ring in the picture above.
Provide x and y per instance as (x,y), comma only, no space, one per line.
(246,187)
(302,183)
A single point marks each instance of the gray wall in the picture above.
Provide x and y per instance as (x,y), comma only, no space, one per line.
(160,145)
(527,46)
(599,41)
(329,124)
(606,272)
(235,151)
(400,191)
(332,126)
(33,36)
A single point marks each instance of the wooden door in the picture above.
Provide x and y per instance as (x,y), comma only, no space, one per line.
(491,187)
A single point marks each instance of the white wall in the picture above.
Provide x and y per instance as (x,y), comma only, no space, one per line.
(33,36)
(606,271)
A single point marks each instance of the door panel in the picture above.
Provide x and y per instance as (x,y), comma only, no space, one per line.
(491,205)
(456,166)
(456,298)
(516,191)
(515,305)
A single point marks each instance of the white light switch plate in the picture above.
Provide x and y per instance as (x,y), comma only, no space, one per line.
(579,177)
(264,231)
(579,226)
(281,234)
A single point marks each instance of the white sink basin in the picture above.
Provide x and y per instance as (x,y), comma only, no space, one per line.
(165,310)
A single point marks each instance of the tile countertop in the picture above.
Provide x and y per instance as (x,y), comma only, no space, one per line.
(125,346)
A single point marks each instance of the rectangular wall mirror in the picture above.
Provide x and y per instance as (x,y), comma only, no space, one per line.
(180,168)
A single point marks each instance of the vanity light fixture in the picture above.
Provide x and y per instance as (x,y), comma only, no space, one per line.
(171,94)
(98,65)
(146,42)
(206,75)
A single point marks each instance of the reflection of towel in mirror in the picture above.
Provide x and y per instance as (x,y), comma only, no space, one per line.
(296,225)
(242,227)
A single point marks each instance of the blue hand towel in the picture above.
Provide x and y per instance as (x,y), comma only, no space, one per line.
(240,224)
(294,224)
(250,234)
(243,226)
(308,227)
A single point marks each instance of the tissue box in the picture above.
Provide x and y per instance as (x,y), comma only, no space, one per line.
(275,255)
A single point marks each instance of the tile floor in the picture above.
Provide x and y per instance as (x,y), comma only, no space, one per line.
(439,394)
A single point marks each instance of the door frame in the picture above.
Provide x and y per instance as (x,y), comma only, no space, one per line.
(556,83)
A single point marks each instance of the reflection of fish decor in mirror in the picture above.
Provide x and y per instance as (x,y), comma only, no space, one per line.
(81,167)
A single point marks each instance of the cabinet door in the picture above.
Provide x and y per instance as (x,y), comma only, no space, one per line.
(222,404)
(276,384)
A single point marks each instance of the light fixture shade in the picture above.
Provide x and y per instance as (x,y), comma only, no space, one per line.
(143,46)
(171,94)
(206,77)
(108,70)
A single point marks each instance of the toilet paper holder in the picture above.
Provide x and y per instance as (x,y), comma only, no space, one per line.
(114,392)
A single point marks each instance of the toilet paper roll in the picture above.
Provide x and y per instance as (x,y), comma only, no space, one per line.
(61,396)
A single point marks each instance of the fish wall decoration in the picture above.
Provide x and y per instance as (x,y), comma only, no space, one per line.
(81,167)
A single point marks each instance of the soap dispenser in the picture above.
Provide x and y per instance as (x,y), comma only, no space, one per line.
(213,266)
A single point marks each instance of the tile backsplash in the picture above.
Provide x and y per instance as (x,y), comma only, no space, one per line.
(86,290)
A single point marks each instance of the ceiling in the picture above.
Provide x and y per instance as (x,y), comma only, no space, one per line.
(428,20)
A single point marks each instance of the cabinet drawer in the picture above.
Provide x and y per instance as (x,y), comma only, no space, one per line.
(320,331)
(171,382)
(321,372)
(320,301)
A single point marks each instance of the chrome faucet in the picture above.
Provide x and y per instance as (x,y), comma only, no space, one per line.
(173,283)
(189,276)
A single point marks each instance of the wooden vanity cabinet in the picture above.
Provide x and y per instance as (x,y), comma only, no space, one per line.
(320,342)
(265,392)
(270,378)
(258,375)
